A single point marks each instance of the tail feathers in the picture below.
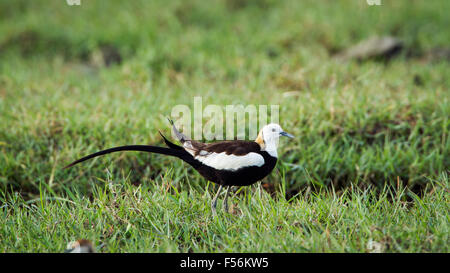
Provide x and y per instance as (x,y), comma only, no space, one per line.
(182,138)
(170,144)
(182,154)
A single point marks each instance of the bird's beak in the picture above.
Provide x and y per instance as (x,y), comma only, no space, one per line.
(286,134)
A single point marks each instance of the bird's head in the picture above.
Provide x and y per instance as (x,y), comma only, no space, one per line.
(268,138)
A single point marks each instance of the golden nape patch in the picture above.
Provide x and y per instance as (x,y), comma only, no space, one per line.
(260,140)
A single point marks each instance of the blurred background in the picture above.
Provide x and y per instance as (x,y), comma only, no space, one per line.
(365,88)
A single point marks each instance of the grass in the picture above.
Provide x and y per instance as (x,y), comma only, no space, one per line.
(370,161)
(120,217)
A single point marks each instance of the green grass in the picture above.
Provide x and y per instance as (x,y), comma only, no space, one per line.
(370,161)
(120,217)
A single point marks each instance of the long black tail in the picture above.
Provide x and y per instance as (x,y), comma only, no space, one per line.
(141,148)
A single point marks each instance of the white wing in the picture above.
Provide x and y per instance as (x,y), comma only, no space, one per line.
(222,161)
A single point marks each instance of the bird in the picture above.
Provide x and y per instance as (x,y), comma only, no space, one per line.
(227,163)
(80,246)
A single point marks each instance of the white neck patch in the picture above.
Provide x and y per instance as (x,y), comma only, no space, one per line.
(271,149)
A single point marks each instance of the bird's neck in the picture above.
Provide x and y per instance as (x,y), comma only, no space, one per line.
(271,148)
(268,145)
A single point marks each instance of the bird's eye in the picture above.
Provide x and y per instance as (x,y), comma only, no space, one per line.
(273,129)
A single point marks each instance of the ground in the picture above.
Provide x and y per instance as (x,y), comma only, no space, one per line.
(367,171)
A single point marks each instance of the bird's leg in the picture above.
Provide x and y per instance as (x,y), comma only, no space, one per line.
(214,201)
(225,201)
